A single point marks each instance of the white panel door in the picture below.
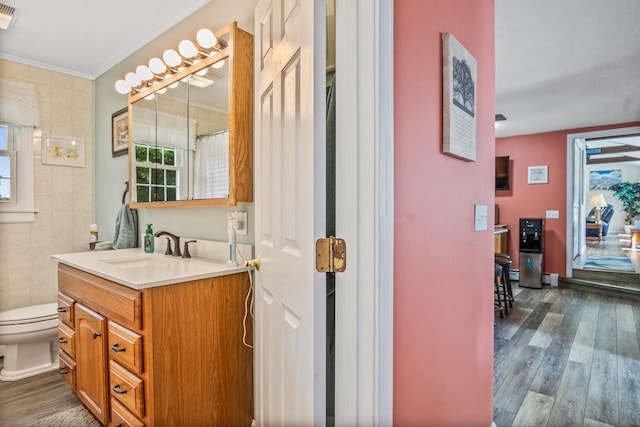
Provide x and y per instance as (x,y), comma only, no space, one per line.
(290,212)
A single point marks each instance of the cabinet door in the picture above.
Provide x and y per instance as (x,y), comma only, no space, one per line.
(91,361)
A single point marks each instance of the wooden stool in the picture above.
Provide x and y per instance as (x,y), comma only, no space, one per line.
(499,292)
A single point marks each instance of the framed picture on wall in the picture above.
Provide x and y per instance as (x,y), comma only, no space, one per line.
(120,132)
(62,151)
(459,87)
(604,179)
(538,175)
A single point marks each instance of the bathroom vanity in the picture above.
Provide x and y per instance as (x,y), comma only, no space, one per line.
(147,339)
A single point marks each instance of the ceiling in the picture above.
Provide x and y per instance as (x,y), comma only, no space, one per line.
(566,64)
(559,64)
(87,38)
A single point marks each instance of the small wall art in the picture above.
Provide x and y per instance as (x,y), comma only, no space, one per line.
(603,180)
(538,175)
(62,151)
(459,87)
(120,132)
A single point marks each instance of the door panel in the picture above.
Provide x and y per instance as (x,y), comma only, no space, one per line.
(289,190)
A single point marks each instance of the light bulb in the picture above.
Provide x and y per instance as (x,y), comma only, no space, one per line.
(218,65)
(171,58)
(133,79)
(206,38)
(173,85)
(157,66)
(161,91)
(123,87)
(149,97)
(202,72)
(187,49)
(144,73)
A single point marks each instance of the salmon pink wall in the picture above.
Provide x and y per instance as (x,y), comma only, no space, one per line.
(443,280)
(533,200)
(524,200)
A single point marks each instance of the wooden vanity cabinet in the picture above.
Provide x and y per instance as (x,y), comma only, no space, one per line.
(167,355)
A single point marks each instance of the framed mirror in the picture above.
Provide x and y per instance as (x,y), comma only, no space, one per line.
(191,132)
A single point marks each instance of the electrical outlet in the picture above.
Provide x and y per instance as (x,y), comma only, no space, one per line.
(553,214)
(239,221)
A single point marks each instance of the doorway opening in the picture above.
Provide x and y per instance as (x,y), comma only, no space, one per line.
(598,227)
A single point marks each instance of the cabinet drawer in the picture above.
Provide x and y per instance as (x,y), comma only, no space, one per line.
(125,347)
(110,299)
(126,388)
(65,309)
(67,339)
(121,417)
(67,368)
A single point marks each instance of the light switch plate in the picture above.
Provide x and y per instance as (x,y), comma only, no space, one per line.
(481,217)
(553,214)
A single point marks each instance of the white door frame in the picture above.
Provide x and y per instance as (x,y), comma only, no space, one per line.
(364,212)
(571,140)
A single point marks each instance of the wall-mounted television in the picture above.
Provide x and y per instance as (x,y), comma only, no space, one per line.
(502,173)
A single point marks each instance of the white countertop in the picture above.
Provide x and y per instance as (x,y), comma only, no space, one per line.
(139,270)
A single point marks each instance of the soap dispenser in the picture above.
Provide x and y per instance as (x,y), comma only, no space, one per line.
(148,240)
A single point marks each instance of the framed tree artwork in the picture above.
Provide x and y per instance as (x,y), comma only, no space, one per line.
(459,86)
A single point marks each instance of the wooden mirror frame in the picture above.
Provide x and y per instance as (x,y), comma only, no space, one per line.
(239,53)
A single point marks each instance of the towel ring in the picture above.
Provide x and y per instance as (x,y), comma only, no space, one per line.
(126,190)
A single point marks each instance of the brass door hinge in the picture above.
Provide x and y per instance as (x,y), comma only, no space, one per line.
(331,255)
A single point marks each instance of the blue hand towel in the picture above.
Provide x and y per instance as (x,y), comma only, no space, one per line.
(126,235)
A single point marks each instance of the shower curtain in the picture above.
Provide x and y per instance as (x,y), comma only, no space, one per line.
(211,169)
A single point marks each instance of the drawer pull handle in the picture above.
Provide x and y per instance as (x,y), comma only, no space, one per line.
(63,371)
(96,335)
(116,389)
(62,340)
(117,348)
(62,309)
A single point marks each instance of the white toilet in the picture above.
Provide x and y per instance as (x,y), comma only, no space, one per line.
(29,335)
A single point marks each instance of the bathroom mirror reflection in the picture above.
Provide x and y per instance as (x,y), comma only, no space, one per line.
(180,140)
(191,133)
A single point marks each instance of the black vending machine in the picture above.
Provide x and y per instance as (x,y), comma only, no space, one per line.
(531,248)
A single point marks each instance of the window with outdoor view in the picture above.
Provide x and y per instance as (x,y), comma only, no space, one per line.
(157,173)
(7,165)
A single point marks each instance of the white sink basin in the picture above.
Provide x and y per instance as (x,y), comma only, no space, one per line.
(139,270)
(138,261)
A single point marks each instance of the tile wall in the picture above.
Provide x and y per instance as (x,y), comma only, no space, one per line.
(63,195)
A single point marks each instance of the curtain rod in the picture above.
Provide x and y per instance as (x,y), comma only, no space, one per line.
(215,132)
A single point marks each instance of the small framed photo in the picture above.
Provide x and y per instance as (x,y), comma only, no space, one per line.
(120,132)
(62,151)
(538,175)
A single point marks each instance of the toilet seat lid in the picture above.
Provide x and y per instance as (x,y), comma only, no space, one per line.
(34,313)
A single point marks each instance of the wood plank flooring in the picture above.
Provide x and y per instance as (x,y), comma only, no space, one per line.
(567,358)
(25,402)
(611,245)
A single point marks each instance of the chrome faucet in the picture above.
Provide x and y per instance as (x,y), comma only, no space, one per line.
(176,241)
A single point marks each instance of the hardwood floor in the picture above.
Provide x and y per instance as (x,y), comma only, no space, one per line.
(25,402)
(567,358)
(613,244)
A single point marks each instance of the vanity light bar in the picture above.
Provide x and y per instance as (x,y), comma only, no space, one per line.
(172,62)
